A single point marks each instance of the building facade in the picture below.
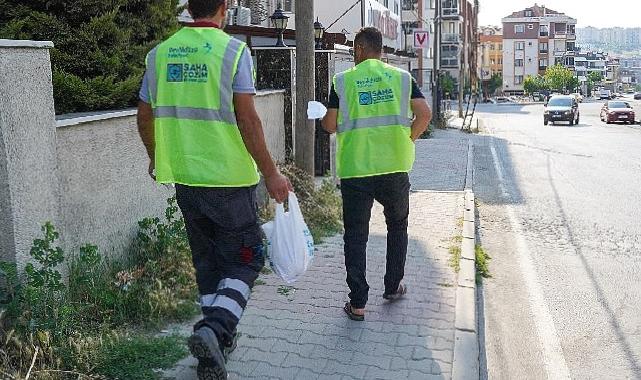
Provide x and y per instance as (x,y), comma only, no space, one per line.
(490,55)
(458,53)
(533,39)
(419,15)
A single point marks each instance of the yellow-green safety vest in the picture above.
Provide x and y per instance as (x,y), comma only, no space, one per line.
(374,120)
(198,142)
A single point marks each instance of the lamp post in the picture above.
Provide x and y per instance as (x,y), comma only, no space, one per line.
(319,32)
(279,21)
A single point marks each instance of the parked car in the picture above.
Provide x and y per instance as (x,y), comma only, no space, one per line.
(503,99)
(579,97)
(561,108)
(617,111)
(605,94)
(637,96)
(629,91)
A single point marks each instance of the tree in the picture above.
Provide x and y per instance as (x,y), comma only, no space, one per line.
(530,85)
(595,77)
(496,82)
(573,84)
(100,46)
(558,77)
(447,84)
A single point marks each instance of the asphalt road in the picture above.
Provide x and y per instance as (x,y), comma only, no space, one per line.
(559,215)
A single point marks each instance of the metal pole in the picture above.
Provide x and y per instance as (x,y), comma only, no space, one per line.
(463,52)
(362,13)
(436,85)
(305,85)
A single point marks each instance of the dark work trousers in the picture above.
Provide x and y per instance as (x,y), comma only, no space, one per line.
(391,191)
(227,250)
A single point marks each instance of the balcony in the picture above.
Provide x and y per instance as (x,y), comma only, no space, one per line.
(449,63)
(450,13)
(543,68)
(453,38)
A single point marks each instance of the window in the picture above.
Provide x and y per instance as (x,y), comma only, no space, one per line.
(544,31)
(530,26)
(518,79)
(529,13)
(449,55)
(409,5)
(450,7)
(500,61)
(520,28)
(518,63)
(543,47)
(543,63)
(492,47)
(500,46)
(288,6)
(492,61)
(396,10)
(519,45)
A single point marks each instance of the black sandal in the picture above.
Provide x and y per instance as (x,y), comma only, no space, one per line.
(400,292)
(350,313)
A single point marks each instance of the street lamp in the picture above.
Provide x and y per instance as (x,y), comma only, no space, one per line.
(319,32)
(279,21)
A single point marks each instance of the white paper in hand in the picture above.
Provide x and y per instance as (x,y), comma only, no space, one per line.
(316,110)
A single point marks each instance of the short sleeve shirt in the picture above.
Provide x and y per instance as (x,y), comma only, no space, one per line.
(243,81)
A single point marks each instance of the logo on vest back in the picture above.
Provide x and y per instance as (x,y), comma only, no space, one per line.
(186,72)
(376,97)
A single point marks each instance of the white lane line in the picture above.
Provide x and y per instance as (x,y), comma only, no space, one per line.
(553,358)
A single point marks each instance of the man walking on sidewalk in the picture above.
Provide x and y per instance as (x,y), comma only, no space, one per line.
(198,122)
(371,108)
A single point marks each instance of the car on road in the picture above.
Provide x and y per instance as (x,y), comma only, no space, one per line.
(579,97)
(617,111)
(561,108)
(605,94)
(637,96)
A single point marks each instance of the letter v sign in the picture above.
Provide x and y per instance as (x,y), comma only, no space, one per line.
(421,39)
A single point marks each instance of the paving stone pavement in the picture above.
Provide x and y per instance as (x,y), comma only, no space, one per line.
(301,332)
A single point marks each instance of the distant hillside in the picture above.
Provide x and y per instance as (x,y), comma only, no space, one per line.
(613,40)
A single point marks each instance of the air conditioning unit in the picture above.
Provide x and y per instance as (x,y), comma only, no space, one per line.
(239,16)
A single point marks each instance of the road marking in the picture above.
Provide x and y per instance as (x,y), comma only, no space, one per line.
(553,358)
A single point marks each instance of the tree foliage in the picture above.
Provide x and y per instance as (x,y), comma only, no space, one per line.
(100,45)
(447,83)
(558,77)
(595,76)
(495,83)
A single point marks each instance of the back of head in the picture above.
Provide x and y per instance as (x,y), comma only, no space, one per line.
(368,43)
(204,8)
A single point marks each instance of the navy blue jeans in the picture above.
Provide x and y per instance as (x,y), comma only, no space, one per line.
(391,191)
(227,251)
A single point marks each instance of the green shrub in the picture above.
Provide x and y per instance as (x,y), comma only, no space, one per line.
(100,46)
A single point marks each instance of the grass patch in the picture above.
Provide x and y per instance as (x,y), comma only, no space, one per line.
(140,357)
(459,222)
(285,290)
(266,270)
(482,264)
(457,239)
(259,282)
(455,258)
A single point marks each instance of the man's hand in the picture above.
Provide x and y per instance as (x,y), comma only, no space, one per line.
(278,187)
(152,169)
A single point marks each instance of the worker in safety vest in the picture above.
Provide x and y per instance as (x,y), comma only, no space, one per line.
(198,122)
(378,112)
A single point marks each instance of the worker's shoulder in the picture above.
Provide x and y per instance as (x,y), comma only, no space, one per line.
(397,69)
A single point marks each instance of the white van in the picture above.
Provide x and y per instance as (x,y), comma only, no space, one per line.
(605,94)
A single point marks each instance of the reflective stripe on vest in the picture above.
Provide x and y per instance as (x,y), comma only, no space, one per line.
(225,114)
(348,124)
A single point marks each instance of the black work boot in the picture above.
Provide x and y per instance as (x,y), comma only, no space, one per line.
(230,346)
(204,345)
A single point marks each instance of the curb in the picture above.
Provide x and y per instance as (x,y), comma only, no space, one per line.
(465,365)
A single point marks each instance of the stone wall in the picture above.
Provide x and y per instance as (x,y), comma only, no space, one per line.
(85,173)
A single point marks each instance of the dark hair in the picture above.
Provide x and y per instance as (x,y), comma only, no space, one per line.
(204,8)
(369,39)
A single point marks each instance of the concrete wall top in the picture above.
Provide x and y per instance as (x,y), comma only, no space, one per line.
(25,44)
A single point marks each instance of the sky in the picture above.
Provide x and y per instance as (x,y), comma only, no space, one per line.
(597,13)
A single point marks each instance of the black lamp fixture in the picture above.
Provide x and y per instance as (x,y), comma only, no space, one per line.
(279,21)
(319,32)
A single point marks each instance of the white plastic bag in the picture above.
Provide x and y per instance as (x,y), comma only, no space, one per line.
(316,110)
(290,244)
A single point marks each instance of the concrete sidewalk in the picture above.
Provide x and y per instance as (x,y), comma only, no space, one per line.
(301,332)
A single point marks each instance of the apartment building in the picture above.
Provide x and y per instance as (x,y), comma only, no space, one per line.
(459,26)
(419,15)
(490,55)
(533,39)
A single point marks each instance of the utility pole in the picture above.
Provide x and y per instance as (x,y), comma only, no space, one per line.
(463,52)
(305,85)
(362,13)
(436,83)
